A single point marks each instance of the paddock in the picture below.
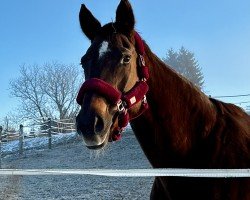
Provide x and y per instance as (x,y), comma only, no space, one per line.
(76,156)
(31,183)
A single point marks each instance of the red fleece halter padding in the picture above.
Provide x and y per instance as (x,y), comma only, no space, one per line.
(139,46)
(100,87)
(143,72)
(135,94)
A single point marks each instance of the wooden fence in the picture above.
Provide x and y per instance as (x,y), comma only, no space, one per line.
(44,129)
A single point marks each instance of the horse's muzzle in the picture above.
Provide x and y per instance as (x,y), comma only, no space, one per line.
(93,122)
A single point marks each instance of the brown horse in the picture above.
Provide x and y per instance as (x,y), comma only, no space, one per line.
(181,128)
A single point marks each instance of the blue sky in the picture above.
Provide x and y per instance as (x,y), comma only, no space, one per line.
(218,32)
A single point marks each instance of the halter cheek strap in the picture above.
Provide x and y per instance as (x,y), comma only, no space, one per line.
(115,97)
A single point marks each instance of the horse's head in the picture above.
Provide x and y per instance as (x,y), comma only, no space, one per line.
(110,67)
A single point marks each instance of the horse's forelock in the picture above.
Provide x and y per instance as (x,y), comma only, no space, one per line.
(109,30)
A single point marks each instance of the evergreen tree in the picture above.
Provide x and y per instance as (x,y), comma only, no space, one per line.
(184,63)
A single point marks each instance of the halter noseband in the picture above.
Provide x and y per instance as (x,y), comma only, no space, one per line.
(115,97)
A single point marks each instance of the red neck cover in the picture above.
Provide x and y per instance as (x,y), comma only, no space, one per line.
(115,97)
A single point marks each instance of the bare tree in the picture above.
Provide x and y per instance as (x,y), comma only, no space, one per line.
(9,123)
(28,90)
(47,91)
(60,84)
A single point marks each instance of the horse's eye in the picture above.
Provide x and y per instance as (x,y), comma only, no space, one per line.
(126,59)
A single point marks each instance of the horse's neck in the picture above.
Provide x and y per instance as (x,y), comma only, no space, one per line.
(180,112)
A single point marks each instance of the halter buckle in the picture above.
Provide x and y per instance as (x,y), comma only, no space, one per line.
(144,100)
(120,106)
(142,60)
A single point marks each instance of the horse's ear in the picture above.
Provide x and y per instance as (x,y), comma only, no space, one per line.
(89,24)
(125,20)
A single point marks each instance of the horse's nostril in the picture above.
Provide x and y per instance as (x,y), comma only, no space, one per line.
(89,125)
(99,124)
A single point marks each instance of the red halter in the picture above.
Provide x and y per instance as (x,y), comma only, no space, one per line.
(115,97)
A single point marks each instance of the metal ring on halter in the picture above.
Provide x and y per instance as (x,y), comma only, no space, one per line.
(144,100)
(120,107)
(142,60)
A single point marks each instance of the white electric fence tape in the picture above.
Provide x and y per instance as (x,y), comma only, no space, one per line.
(205,173)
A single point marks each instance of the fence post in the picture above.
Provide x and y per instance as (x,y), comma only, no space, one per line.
(49,133)
(21,139)
(1,129)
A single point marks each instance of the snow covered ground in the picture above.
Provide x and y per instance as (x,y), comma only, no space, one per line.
(36,143)
(70,153)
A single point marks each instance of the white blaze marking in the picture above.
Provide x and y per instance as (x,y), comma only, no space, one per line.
(104,48)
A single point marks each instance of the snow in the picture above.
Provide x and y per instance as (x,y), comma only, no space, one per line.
(36,143)
(68,152)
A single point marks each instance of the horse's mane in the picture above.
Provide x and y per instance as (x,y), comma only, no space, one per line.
(193,115)
(177,104)
(166,69)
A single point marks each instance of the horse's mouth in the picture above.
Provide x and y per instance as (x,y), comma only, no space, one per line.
(97,147)
(96,142)
(94,145)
